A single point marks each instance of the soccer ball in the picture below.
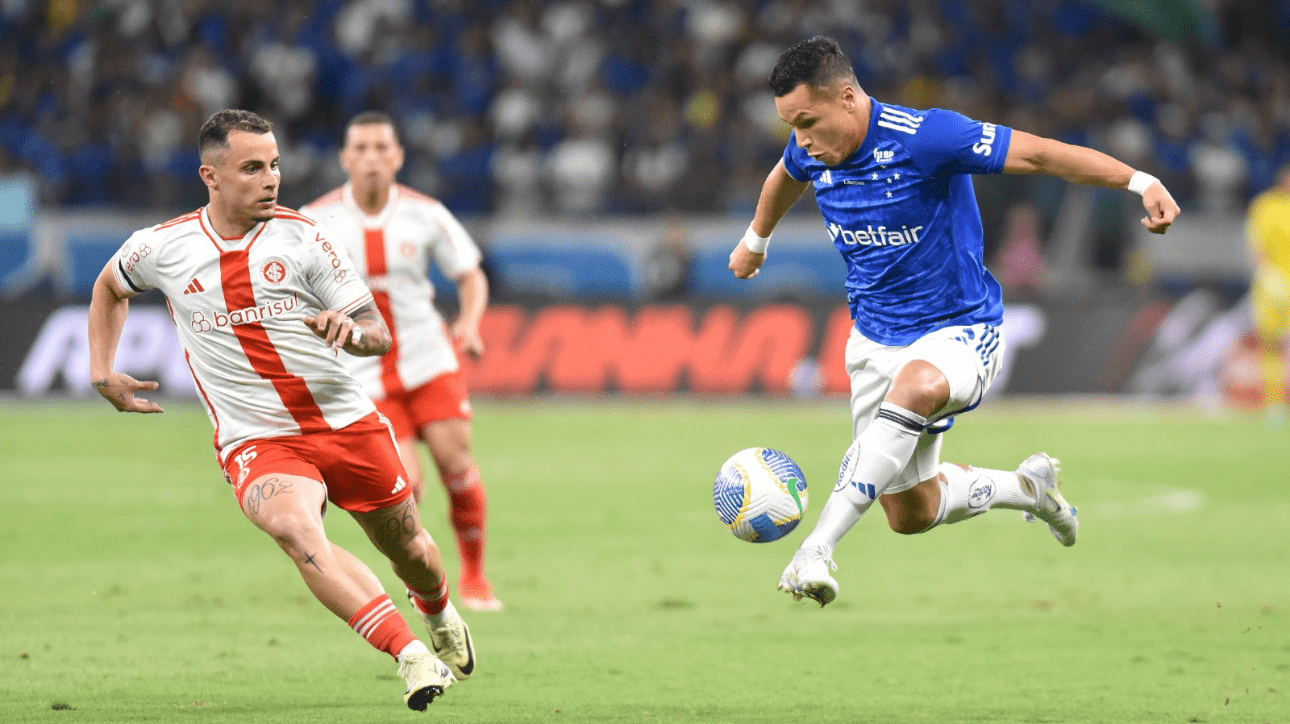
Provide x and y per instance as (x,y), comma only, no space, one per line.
(760,494)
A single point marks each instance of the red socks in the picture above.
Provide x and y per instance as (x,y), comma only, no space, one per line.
(430,603)
(469,510)
(380,623)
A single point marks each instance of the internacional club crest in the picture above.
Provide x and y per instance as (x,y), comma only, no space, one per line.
(274,271)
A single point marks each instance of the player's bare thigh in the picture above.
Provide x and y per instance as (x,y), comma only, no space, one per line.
(412,463)
(449,444)
(284,506)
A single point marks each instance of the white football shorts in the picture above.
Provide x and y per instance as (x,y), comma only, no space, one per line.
(969,357)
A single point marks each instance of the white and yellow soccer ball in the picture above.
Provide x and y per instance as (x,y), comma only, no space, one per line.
(760,494)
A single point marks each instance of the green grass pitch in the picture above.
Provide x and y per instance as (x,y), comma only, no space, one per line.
(132,590)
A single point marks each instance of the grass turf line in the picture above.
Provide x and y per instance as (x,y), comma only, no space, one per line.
(137,592)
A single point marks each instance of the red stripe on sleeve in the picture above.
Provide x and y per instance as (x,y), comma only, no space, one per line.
(374,249)
(282,212)
(235,275)
(179,220)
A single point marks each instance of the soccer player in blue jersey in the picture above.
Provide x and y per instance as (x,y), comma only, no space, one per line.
(894,187)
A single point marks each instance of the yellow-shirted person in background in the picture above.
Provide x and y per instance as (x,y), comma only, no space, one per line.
(1268,229)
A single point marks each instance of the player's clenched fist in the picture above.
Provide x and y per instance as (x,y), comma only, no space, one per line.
(744,262)
(1161,208)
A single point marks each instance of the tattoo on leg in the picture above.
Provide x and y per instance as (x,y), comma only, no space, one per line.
(256,495)
(309,558)
(398,526)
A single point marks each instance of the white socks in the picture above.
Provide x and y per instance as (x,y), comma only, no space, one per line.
(413,648)
(967,492)
(871,463)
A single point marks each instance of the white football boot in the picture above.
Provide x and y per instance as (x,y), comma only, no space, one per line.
(808,575)
(1050,507)
(451,640)
(427,678)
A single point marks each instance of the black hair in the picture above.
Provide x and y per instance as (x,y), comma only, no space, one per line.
(372,117)
(816,62)
(214,133)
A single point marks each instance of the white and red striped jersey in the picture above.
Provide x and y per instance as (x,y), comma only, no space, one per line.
(239,306)
(393,249)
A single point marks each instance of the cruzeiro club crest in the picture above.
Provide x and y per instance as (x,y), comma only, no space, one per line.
(980,492)
(274,271)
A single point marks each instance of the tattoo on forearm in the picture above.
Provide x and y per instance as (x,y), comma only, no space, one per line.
(375,337)
(99,384)
(309,558)
(368,308)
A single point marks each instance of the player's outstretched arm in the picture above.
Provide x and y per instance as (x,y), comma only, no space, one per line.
(778,194)
(1028,154)
(109,306)
(363,335)
(472,298)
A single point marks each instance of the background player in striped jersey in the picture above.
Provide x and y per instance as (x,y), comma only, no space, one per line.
(392,234)
(1268,230)
(263,303)
(894,187)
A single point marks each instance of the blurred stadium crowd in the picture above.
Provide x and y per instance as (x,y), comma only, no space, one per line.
(611,106)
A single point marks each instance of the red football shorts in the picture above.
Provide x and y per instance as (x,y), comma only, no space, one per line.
(358,464)
(442,398)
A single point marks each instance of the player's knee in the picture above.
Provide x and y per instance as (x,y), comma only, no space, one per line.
(419,548)
(453,459)
(920,387)
(457,472)
(293,533)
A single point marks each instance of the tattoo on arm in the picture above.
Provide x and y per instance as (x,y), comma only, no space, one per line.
(376,337)
(368,308)
(309,558)
(99,384)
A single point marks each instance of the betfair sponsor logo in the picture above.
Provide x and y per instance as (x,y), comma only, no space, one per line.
(881,236)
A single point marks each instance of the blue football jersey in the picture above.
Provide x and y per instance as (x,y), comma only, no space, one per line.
(902,211)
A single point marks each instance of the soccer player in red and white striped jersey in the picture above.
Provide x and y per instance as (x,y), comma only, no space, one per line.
(392,233)
(265,304)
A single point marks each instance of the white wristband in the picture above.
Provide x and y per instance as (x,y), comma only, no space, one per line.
(756,244)
(1139,182)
